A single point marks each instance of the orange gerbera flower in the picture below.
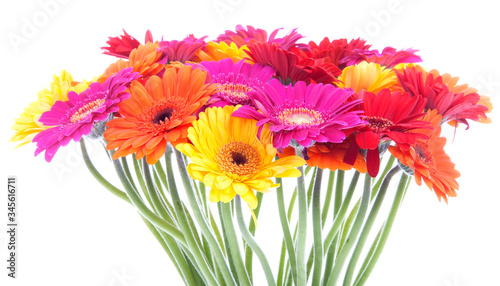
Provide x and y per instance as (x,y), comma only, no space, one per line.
(451,83)
(146,60)
(429,161)
(158,112)
(331,156)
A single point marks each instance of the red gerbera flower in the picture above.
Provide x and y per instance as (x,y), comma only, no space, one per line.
(335,51)
(452,106)
(293,66)
(121,46)
(390,115)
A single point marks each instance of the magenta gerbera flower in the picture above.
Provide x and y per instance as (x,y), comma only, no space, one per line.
(304,113)
(389,57)
(74,118)
(242,36)
(236,80)
(184,50)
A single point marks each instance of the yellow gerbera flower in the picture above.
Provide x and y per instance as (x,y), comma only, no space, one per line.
(228,157)
(216,52)
(27,125)
(369,77)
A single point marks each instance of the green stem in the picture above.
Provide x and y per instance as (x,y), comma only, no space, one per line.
(302,235)
(368,225)
(234,248)
(114,190)
(317,227)
(388,167)
(251,228)
(328,197)
(140,178)
(385,231)
(353,234)
(339,190)
(286,230)
(158,205)
(248,237)
(144,210)
(339,218)
(200,258)
(200,219)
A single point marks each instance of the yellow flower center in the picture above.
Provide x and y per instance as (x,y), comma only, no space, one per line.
(378,124)
(299,116)
(238,158)
(85,110)
(234,91)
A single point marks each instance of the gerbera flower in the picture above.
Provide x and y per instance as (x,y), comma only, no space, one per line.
(182,51)
(337,50)
(147,60)
(158,112)
(389,57)
(331,156)
(302,112)
(216,52)
(228,156)
(28,124)
(74,118)
(452,83)
(429,161)
(293,66)
(244,36)
(390,116)
(451,105)
(236,80)
(369,77)
(121,46)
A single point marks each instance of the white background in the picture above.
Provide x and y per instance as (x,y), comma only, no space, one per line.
(72,232)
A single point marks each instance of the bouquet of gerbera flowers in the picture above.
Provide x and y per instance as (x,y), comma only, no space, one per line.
(240,113)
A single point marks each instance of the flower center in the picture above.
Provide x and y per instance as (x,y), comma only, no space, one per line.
(85,110)
(163,115)
(238,158)
(378,124)
(425,157)
(300,116)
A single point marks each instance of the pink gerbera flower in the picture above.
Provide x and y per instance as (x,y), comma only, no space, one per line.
(302,112)
(389,57)
(236,80)
(74,118)
(182,51)
(244,36)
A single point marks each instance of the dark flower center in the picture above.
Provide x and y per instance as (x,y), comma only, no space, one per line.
(163,116)
(238,158)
